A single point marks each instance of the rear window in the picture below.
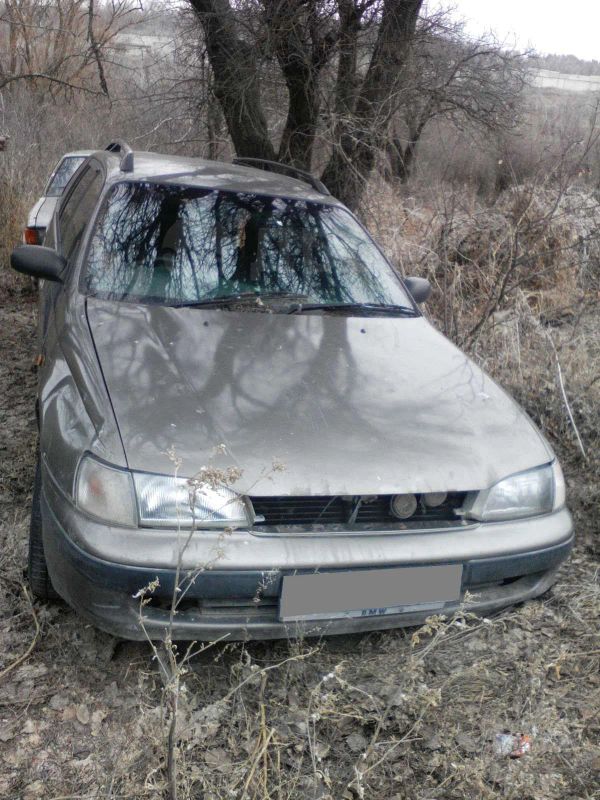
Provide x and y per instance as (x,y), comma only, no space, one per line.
(177,245)
(63,174)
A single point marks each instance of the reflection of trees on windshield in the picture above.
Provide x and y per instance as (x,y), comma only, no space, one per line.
(177,244)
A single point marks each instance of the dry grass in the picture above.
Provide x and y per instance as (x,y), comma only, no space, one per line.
(544,241)
(13,212)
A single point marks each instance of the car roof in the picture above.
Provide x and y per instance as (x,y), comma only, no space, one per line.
(192,171)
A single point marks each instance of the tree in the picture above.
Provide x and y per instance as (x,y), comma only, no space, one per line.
(362,44)
(474,82)
(60,44)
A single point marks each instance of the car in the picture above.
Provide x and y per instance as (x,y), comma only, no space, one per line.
(248,428)
(41,213)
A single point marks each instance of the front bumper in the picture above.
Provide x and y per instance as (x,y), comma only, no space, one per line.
(236,598)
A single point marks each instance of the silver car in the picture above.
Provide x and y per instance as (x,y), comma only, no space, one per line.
(40,215)
(241,407)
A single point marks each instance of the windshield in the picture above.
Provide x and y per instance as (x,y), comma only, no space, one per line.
(179,245)
(65,170)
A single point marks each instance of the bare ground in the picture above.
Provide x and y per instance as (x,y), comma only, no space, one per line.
(405,714)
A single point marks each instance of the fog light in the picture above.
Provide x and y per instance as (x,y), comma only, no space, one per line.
(434,499)
(403,506)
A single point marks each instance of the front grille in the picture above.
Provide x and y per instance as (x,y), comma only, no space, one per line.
(334,510)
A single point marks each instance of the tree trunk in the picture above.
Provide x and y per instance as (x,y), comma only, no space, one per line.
(287,29)
(300,40)
(353,154)
(402,159)
(236,79)
(395,159)
(297,141)
(302,46)
(95,49)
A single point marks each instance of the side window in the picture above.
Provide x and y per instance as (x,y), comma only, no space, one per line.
(76,211)
(62,175)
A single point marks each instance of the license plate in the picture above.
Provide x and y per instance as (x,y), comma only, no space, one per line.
(368,592)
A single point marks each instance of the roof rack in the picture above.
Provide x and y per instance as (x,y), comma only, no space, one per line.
(284,169)
(126,153)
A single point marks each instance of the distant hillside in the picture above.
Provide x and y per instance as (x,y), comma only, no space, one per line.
(565,82)
(567,65)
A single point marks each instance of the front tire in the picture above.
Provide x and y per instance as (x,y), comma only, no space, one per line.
(37,569)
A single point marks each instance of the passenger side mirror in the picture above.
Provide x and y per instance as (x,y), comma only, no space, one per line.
(39,262)
(420,288)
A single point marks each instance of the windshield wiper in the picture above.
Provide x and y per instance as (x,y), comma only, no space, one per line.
(240,297)
(372,308)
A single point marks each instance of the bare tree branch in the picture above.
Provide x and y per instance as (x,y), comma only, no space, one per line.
(95,48)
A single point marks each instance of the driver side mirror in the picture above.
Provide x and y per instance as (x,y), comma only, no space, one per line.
(420,289)
(39,262)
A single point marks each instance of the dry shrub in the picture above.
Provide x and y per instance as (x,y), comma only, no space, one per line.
(545,235)
(530,357)
(535,241)
(13,212)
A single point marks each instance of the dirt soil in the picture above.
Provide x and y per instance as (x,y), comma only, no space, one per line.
(405,714)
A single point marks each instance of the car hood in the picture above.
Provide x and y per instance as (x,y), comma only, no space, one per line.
(345,405)
(41,213)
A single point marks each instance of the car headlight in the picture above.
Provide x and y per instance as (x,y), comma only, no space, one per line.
(105,493)
(169,502)
(526,494)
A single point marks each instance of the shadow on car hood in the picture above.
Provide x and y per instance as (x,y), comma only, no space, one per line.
(348,405)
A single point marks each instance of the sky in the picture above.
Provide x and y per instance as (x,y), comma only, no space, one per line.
(549,26)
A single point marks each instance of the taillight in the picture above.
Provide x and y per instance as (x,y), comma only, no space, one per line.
(32,236)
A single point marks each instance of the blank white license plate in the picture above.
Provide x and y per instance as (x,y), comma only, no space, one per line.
(368,592)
